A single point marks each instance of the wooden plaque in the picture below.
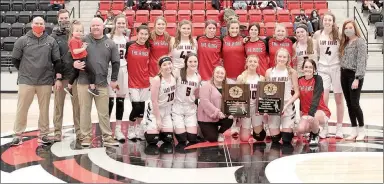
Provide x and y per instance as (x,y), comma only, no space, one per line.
(236,100)
(270,97)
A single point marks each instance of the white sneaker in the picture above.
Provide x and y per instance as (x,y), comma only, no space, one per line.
(131,132)
(361,133)
(139,131)
(353,134)
(118,134)
(220,138)
(339,131)
(324,131)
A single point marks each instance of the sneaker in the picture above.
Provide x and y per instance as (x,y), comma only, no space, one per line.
(94,92)
(360,134)
(109,141)
(69,91)
(17,141)
(220,138)
(57,138)
(131,132)
(353,134)
(339,132)
(44,140)
(139,132)
(118,134)
(86,141)
(313,139)
(324,131)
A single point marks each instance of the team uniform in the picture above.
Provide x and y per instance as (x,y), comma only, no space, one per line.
(301,52)
(184,109)
(165,101)
(179,53)
(329,63)
(274,45)
(159,47)
(254,120)
(259,48)
(234,57)
(122,79)
(209,55)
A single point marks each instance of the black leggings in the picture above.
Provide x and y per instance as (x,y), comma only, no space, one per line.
(352,96)
(87,69)
(211,131)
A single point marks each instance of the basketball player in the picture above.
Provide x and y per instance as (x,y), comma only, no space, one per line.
(157,116)
(328,42)
(283,72)
(313,109)
(137,57)
(249,76)
(181,45)
(159,40)
(184,109)
(279,40)
(257,46)
(117,35)
(209,53)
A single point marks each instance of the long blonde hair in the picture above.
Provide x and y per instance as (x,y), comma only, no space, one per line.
(213,75)
(113,31)
(289,68)
(279,25)
(73,24)
(166,34)
(344,39)
(178,34)
(245,73)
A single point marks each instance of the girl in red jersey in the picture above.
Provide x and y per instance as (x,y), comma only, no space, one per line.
(304,47)
(159,40)
(181,45)
(279,40)
(313,109)
(257,46)
(137,57)
(209,53)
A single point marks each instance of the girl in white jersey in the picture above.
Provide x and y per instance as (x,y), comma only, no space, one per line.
(184,110)
(157,114)
(249,76)
(282,72)
(304,47)
(181,45)
(120,40)
(328,42)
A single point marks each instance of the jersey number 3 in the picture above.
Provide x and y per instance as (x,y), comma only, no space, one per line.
(328,51)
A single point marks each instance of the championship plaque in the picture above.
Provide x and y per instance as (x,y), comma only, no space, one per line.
(270,97)
(236,100)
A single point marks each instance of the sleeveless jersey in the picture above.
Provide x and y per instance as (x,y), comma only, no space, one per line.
(167,92)
(253,89)
(179,53)
(301,51)
(185,92)
(329,50)
(121,42)
(282,76)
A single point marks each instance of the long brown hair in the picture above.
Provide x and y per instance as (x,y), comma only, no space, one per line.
(234,21)
(113,31)
(73,24)
(335,31)
(344,39)
(183,71)
(166,34)
(144,26)
(178,34)
(310,49)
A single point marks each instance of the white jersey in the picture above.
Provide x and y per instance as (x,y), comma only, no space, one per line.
(301,51)
(329,50)
(282,76)
(253,88)
(121,42)
(179,53)
(167,92)
(185,92)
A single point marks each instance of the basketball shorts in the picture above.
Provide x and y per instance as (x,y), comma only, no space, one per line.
(139,95)
(254,120)
(331,77)
(150,119)
(287,120)
(184,115)
(122,81)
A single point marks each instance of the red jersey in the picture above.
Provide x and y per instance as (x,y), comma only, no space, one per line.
(75,43)
(274,45)
(311,96)
(209,54)
(159,47)
(137,57)
(233,55)
(259,48)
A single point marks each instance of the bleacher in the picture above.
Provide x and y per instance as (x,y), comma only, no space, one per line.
(16,17)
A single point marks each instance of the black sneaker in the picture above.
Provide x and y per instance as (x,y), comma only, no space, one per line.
(16,141)
(69,91)
(94,92)
(44,140)
(313,139)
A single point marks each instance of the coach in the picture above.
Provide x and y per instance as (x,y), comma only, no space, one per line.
(60,33)
(36,55)
(101,51)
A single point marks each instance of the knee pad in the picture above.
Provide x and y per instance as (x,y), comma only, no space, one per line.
(276,138)
(287,137)
(166,148)
(119,108)
(151,149)
(111,103)
(260,136)
(181,138)
(167,137)
(141,109)
(151,138)
(134,113)
(192,138)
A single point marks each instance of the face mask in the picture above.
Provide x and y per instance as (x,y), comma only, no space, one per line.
(349,32)
(38,29)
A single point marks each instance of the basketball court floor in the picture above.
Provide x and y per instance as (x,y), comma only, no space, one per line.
(334,160)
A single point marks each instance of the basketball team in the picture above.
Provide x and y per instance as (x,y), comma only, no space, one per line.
(175,84)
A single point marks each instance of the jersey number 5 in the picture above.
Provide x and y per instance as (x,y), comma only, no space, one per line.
(171,96)
(188,91)
(182,54)
(328,51)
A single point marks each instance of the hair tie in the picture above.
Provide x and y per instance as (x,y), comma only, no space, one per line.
(164,59)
